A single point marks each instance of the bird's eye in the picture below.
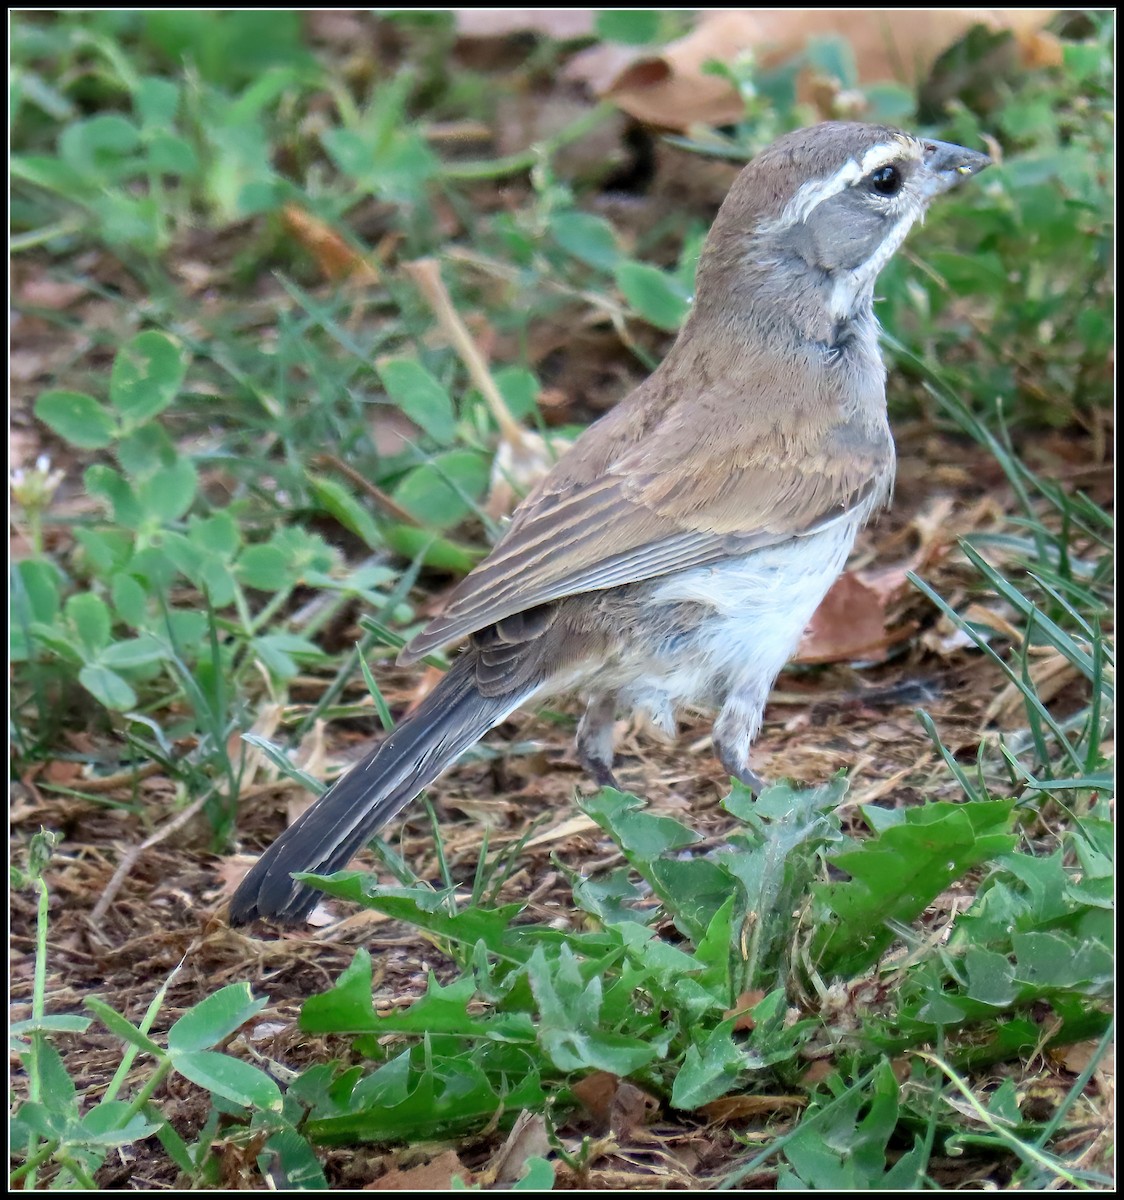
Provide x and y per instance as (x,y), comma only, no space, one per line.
(886,181)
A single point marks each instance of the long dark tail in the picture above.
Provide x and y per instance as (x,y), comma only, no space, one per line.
(451,718)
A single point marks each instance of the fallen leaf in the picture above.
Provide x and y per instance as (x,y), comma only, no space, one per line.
(614,1102)
(739,1108)
(850,623)
(563,24)
(336,258)
(436,1175)
(740,1011)
(568,828)
(595,1094)
(62,773)
(673,90)
(1048,677)
(42,292)
(517,467)
(528,1139)
(1076,1058)
(631,1108)
(817,1072)
(430,678)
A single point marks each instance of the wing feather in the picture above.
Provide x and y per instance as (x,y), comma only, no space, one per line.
(641,495)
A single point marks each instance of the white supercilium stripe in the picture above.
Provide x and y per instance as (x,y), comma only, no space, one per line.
(813,193)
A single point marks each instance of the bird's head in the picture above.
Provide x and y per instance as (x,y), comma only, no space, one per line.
(820,212)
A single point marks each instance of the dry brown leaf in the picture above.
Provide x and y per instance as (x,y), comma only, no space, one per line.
(265,726)
(431,677)
(850,623)
(568,828)
(616,1103)
(630,1109)
(978,614)
(528,1139)
(39,291)
(743,1017)
(434,1176)
(672,90)
(335,257)
(1049,676)
(817,1072)
(62,773)
(740,1108)
(560,23)
(1076,1058)
(595,1094)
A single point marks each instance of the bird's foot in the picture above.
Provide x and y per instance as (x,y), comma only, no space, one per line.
(602,775)
(752,780)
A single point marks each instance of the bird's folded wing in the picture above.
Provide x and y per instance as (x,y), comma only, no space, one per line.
(631,524)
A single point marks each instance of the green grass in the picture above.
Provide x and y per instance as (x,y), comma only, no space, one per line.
(222,548)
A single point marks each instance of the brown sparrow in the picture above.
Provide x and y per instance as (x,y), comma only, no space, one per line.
(675,553)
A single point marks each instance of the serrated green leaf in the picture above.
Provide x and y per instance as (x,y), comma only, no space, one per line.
(427,909)
(710,1068)
(991,978)
(895,875)
(348,1008)
(569,1027)
(1057,960)
(638,832)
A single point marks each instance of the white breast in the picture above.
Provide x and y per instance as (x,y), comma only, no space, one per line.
(754,609)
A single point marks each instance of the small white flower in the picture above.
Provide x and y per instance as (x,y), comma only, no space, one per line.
(36,487)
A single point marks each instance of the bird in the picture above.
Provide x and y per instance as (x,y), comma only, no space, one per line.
(674,554)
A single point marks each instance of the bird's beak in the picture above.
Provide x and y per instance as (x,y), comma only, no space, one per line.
(946,165)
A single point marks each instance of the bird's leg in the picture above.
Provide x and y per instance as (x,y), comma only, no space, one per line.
(737,725)
(595,740)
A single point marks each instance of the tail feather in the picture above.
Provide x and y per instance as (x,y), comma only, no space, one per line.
(452,718)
